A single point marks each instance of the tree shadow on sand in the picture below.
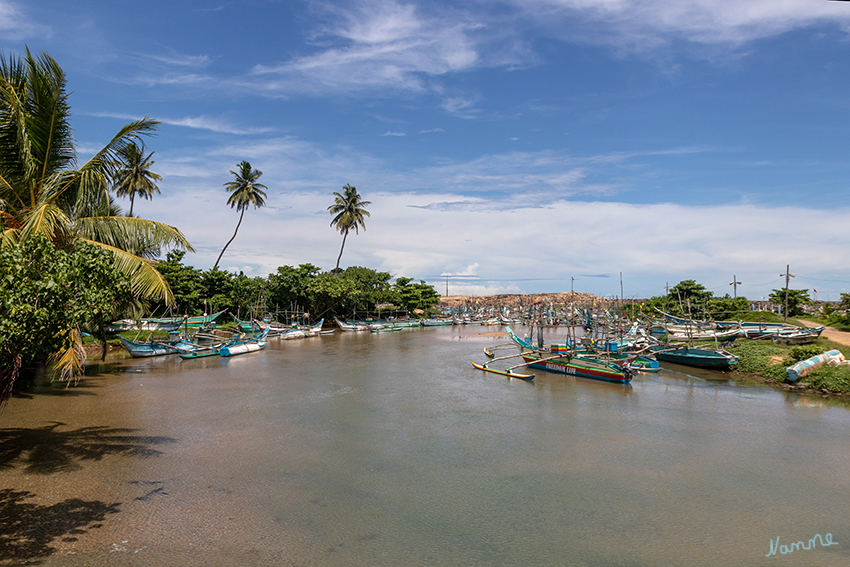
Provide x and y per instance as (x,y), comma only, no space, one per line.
(47,450)
(26,529)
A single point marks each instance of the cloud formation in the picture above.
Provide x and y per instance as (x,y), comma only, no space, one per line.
(648,24)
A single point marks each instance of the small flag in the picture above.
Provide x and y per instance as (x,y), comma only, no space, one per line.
(816,291)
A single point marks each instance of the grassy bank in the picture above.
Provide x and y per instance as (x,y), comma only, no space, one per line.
(768,361)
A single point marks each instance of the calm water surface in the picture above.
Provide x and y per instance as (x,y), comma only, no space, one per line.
(389,449)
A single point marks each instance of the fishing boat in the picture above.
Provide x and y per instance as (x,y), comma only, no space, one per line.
(798,337)
(245,346)
(704,335)
(201,353)
(574,364)
(700,357)
(348,326)
(644,364)
(583,366)
(303,332)
(163,323)
(156,348)
(437,322)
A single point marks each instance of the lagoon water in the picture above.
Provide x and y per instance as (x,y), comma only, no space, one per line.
(387,450)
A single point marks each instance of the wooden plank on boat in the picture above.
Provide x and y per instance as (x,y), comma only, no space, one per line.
(507,373)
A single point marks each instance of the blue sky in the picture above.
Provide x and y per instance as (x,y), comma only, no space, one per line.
(507,146)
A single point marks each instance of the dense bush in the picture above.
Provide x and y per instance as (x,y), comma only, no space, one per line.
(46,295)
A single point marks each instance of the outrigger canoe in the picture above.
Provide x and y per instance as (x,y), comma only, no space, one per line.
(507,373)
(582,365)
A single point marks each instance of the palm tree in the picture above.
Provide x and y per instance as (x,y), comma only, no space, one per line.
(43,191)
(134,176)
(245,190)
(349,211)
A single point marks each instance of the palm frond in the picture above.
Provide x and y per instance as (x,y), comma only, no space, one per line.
(135,235)
(145,281)
(9,236)
(70,361)
(47,219)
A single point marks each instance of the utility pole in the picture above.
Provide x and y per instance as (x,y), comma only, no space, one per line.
(788,275)
(735,283)
(621,287)
(572,281)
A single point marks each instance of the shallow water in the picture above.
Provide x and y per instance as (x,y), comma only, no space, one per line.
(390,449)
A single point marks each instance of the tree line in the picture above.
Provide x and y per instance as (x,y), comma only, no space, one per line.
(321,294)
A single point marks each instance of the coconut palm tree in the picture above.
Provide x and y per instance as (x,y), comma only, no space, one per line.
(44,190)
(245,190)
(134,176)
(349,210)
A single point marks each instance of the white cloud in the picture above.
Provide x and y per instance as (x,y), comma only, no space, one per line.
(196,122)
(649,23)
(531,248)
(16,25)
(383,45)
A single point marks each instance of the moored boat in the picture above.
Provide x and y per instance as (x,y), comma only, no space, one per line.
(349,326)
(700,357)
(155,348)
(573,364)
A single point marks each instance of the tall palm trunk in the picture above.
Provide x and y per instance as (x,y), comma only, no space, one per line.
(231,238)
(344,236)
(132,197)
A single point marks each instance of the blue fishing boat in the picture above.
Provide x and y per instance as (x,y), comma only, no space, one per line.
(156,348)
(699,357)
(245,346)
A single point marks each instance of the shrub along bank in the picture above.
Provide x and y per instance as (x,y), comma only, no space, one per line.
(769,362)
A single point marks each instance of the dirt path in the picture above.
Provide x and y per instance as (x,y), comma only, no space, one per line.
(840,337)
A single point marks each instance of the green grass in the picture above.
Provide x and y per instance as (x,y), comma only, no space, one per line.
(832,379)
(768,317)
(759,357)
(755,356)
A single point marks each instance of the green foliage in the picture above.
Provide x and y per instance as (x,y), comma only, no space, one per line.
(217,286)
(775,371)
(840,322)
(796,298)
(803,352)
(288,286)
(246,293)
(46,294)
(321,294)
(727,308)
(410,296)
(833,379)
(328,293)
(185,283)
(690,290)
(845,301)
(754,356)
(373,287)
